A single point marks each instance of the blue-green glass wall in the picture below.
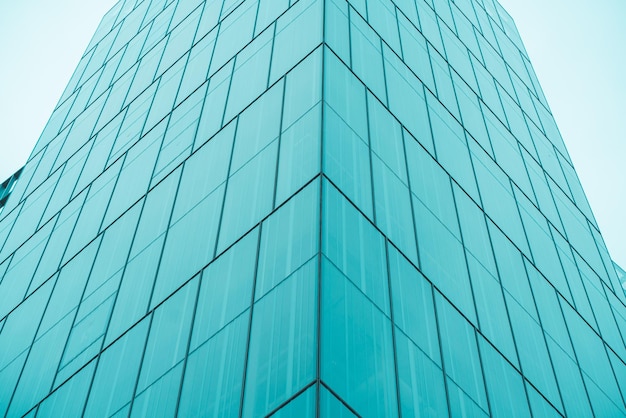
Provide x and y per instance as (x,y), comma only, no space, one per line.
(306,208)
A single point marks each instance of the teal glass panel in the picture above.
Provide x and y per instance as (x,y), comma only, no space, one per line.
(415,50)
(543,248)
(539,406)
(507,153)
(197,182)
(282,361)
(431,184)
(330,406)
(180,135)
(451,146)
(198,65)
(366,54)
(298,223)
(116,374)
(357,347)
(235,32)
(337,29)
(507,396)
(413,306)
(17,335)
(498,199)
(406,99)
(250,74)
(69,288)
(303,405)
(442,259)
(474,229)
(534,357)
(512,271)
(347,161)
(114,250)
(133,296)
(249,195)
(268,12)
(303,88)
(189,246)
(212,116)
(386,137)
(160,398)
(298,32)
(444,83)
(421,382)
(20,270)
(169,334)
(165,94)
(591,355)
(355,247)
(38,372)
(225,289)
(90,323)
(382,17)
(91,214)
(392,204)
(459,348)
(213,376)
(299,154)
(257,127)
(181,37)
(69,399)
(548,305)
(345,94)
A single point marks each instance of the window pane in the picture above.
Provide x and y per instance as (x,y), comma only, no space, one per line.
(357,348)
(282,354)
(213,377)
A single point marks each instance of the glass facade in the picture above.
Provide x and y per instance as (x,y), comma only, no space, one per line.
(305,208)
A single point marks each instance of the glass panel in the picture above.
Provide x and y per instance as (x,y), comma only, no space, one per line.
(460,351)
(249,78)
(249,196)
(533,353)
(366,55)
(413,307)
(282,354)
(189,246)
(160,398)
(355,247)
(226,289)
(347,161)
(392,203)
(69,399)
(357,348)
(302,406)
(422,388)
(299,154)
(115,378)
(169,335)
(38,373)
(331,407)
(507,396)
(213,377)
(298,32)
(297,225)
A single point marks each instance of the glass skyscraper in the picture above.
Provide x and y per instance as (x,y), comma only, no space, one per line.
(303,208)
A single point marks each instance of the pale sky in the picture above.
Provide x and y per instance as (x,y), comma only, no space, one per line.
(578,50)
(577,47)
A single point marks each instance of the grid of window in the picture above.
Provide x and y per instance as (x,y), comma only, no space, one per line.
(306,208)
